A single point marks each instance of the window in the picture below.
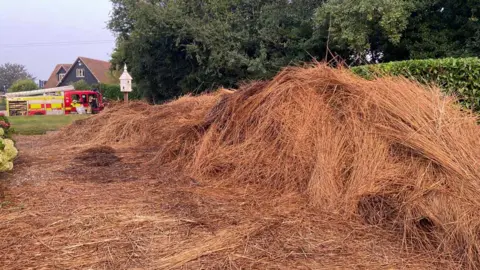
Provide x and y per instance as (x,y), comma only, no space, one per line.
(60,76)
(75,98)
(80,72)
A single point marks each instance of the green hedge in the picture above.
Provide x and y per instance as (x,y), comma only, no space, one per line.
(457,76)
(112,92)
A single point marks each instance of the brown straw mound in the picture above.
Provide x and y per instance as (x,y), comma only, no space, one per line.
(387,152)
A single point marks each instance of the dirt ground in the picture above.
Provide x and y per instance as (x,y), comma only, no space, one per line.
(64,210)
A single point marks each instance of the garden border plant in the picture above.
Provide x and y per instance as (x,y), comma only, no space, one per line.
(456,76)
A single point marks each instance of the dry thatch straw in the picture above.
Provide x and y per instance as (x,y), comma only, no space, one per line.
(388,151)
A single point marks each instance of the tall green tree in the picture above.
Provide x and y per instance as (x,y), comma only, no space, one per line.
(175,47)
(386,30)
(23,85)
(10,72)
(444,28)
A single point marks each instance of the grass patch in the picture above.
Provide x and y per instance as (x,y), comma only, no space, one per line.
(40,124)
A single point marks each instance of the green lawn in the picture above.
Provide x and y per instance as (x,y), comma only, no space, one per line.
(40,124)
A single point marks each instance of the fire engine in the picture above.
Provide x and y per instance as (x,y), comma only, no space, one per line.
(53,101)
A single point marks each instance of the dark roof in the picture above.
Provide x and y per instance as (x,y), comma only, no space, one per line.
(99,68)
(53,79)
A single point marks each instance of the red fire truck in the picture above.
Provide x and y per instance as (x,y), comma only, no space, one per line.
(54,101)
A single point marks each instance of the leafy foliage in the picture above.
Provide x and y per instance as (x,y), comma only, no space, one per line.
(112,92)
(387,30)
(444,28)
(182,46)
(175,47)
(355,21)
(458,76)
(10,73)
(23,85)
(8,152)
(81,85)
(5,126)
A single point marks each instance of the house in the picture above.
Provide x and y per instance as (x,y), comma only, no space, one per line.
(92,71)
(57,75)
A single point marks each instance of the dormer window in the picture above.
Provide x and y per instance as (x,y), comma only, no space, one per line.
(80,72)
(60,76)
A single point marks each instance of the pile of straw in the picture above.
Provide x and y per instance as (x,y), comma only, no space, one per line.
(388,152)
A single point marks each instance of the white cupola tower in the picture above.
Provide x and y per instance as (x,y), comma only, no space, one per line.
(125,81)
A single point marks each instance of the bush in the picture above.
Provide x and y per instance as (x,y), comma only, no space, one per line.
(457,76)
(81,85)
(8,152)
(112,92)
(5,126)
(23,85)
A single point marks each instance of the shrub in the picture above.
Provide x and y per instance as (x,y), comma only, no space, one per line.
(6,130)
(457,76)
(112,92)
(8,152)
(81,85)
(23,85)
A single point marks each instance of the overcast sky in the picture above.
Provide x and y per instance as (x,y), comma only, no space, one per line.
(42,33)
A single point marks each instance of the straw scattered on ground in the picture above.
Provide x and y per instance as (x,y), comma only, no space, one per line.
(316,169)
(98,156)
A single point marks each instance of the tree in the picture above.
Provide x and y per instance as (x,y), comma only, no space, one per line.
(386,30)
(23,85)
(175,47)
(184,46)
(444,28)
(356,23)
(81,85)
(9,73)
